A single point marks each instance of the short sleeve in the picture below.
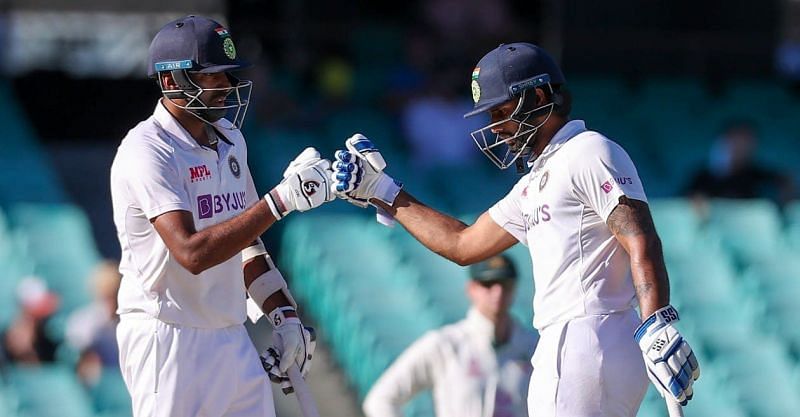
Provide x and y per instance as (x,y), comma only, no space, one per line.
(507,213)
(151,181)
(602,172)
(251,195)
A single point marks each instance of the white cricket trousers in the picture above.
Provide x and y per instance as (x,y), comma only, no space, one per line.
(588,367)
(178,371)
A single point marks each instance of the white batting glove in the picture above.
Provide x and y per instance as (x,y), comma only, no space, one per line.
(293,342)
(358,173)
(308,157)
(306,185)
(271,361)
(671,364)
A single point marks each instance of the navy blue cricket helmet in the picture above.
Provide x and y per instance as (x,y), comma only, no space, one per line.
(196,44)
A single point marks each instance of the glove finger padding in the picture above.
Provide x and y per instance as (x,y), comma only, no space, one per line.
(306,158)
(348,172)
(671,364)
(270,361)
(346,176)
(360,146)
(294,345)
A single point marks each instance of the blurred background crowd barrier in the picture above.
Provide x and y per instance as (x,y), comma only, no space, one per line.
(704,96)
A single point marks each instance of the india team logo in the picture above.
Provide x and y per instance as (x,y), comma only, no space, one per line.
(230,50)
(227,42)
(236,170)
(476,88)
(543,181)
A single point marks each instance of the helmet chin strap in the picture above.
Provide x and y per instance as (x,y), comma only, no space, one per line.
(521,163)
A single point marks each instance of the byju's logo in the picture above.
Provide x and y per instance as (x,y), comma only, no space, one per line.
(208,205)
(204,206)
(310,188)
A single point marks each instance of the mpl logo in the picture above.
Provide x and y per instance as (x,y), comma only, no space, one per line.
(199,173)
(208,204)
(310,187)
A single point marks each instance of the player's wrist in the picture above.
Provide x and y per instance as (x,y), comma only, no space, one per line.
(664,316)
(283,315)
(386,189)
(279,201)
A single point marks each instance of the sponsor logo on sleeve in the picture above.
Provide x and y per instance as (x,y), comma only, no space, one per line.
(607,186)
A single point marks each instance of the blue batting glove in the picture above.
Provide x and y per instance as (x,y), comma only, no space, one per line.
(671,364)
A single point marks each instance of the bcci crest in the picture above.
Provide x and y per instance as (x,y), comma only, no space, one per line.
(476,88)
(230,50)
(236,170)
(544,179)
(227,42)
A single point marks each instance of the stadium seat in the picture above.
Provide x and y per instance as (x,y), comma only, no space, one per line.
(110,396)
(62,247)
(761,373)
(751,229)
(678,225)
(48,391)
(792,212)
(778,286)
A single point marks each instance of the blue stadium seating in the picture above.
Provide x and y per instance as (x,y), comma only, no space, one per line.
(48,391)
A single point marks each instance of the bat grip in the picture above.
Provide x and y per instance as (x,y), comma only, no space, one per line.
(304,397)
(674,408)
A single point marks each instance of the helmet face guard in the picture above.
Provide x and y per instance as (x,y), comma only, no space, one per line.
(234,107)
(505,152)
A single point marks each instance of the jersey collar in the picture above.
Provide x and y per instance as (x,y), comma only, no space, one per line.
(567,132)
(184,139)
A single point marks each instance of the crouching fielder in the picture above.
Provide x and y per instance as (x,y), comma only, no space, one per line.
(582,211)
(188,219)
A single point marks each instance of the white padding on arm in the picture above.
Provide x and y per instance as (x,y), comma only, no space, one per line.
(251,252)
(267,284)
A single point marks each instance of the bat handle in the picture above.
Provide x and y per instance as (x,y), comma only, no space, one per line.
(304,397)
(674,408)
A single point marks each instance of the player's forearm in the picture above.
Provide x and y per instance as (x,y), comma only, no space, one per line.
(437,231)
(632,225)
(649,274)
(218,243)
(255,268)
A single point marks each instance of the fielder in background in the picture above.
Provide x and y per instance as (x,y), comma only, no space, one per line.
(188,219)
(476,367)
(582,211)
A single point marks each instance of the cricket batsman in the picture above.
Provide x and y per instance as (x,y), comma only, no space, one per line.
(582,211)
(188,219)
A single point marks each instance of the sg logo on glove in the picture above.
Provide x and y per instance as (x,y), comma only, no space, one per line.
(310,187)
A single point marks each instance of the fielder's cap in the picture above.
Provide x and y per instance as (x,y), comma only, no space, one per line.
(508,70)
(493,269)
(193,43)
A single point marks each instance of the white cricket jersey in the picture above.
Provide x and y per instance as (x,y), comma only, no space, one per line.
(468,375)
(559,210)
(159,168)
